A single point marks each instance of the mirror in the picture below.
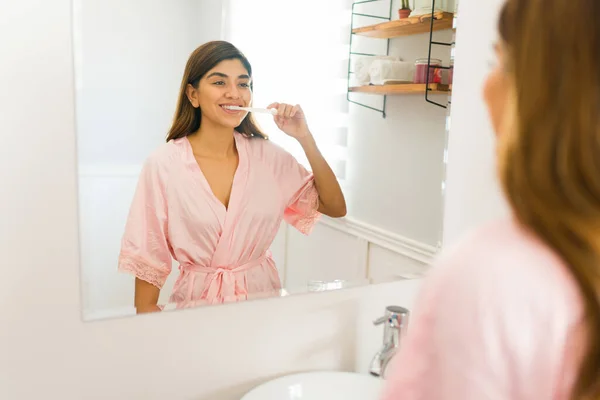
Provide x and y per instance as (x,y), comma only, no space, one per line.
(214,216)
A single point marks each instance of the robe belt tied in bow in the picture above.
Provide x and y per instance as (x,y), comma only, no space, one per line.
(221,280)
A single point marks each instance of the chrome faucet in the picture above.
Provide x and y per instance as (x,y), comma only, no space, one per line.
(395,322)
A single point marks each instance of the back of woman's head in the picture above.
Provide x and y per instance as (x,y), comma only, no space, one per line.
(549,153)
(188,118)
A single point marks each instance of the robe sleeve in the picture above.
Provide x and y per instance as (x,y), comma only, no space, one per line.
(300,195)
(145,250)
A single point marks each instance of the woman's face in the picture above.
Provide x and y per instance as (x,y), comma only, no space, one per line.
(228,83)
(496,89)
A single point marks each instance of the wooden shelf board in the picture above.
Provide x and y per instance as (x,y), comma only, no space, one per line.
(407,26)
(403,88)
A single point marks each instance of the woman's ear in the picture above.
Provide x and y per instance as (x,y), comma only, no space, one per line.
(192,95)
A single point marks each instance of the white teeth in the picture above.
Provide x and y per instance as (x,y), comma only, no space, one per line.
(229,107)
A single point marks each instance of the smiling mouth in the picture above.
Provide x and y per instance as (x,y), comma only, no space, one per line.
(225,107)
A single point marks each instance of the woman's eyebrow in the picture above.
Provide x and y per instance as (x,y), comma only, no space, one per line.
(222,75)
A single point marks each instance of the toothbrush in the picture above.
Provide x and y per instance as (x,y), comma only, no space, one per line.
(271,111)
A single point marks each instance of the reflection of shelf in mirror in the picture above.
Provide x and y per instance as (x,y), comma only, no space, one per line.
(404,88)
(407,26)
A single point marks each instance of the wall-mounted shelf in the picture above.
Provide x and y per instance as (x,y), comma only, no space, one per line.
(407,26)
(435,21)
(403,88)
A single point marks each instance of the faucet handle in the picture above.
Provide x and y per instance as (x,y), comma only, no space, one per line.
(395,316)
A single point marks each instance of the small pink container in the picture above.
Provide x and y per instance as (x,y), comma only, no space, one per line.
(435,74)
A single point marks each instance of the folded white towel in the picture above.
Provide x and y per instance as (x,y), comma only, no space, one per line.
(391,70)
(362,67)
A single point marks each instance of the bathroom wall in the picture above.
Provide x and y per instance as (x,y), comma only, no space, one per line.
(472,192)
(47,352)
(132,52)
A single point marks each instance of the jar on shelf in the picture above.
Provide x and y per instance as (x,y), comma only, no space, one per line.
(435,73)
(451,72)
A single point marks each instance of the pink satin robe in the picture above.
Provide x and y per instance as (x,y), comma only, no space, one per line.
(223,254)
(499,318)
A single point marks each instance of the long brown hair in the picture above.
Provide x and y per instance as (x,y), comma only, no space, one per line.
(187,118)
(549,158)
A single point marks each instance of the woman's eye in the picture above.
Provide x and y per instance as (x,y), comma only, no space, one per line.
(222,83)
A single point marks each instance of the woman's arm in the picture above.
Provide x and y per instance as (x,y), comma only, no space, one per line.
(290,119)
(145,250)
(331,199)
(146,297)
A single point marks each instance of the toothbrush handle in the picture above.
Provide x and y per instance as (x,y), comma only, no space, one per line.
(271,111)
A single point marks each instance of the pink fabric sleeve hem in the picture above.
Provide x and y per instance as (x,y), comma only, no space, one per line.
(307,221)
(142,270)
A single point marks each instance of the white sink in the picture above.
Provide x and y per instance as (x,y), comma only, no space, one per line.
(319,386)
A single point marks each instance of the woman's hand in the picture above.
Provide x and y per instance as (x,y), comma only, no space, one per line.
(291,120)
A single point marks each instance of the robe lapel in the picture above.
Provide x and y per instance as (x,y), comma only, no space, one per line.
(236,202)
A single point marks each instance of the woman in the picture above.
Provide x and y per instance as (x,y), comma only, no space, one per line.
(513,312)
(213,197)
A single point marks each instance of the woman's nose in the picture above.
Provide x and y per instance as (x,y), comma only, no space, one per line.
(232,92)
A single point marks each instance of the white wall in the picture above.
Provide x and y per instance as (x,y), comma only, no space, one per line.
(104,199)
(472,191)
(130,61)
(350,250)
(47,352)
